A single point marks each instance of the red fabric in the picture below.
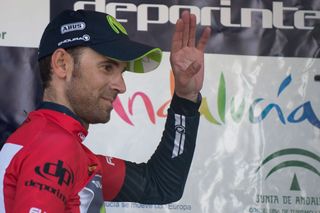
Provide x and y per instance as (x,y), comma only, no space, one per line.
(53,166)
(113,173)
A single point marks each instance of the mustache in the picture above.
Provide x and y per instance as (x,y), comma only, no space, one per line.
(110,97)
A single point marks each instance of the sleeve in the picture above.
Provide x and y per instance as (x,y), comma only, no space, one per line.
(162,179)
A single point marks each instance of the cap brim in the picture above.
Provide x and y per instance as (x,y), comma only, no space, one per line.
(142,58)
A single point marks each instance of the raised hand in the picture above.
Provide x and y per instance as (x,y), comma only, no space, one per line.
(187,58)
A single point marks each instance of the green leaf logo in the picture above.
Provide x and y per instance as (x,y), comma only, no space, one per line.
(115,25)
(221,104)
(222,98)
(237,114)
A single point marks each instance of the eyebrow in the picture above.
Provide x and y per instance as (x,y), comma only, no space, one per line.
(114,62)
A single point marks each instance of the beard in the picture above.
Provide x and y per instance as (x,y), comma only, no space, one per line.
(86,102)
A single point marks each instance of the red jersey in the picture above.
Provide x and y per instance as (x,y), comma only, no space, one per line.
(54,167)
(46,168)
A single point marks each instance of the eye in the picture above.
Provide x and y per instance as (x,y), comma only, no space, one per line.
(108,67)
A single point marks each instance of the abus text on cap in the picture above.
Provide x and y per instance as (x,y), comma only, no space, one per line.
(72,27)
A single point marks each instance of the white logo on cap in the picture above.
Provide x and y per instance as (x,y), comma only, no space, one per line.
(72,27)
(85,37)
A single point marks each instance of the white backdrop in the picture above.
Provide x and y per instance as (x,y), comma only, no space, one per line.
(223,176)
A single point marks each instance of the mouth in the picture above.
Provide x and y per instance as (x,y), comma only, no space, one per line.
(108,100)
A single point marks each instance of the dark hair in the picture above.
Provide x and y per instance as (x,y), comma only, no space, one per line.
(45,65)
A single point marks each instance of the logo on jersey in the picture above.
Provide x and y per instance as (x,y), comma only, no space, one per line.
(57,172)
(46,188)
(180,129)
(109,161)
(36,210)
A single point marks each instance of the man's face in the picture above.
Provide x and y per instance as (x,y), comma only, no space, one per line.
(95,83)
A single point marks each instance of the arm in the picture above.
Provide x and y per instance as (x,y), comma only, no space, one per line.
(162,179)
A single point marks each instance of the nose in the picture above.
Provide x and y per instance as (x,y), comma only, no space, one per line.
(119,84)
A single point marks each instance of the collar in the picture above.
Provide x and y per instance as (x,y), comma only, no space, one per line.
(64,117)
(58,108)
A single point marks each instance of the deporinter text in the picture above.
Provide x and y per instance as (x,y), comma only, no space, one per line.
(270,18)
(3,35)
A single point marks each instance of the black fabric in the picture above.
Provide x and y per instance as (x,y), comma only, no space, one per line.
(183,106)
(162,179)
(58,108)
(20,87)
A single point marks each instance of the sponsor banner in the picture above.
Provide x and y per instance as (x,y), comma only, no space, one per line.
(264,28)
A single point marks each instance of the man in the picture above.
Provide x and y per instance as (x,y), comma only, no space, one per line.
(82,56)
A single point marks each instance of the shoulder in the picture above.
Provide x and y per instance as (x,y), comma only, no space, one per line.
(41,139)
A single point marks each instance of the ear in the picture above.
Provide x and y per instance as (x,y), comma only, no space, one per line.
(62,63)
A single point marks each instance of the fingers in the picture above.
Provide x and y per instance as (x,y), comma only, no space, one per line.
(204,39)
(186,21)
(192,31)
(189,32)
(185,33)
(177,36)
